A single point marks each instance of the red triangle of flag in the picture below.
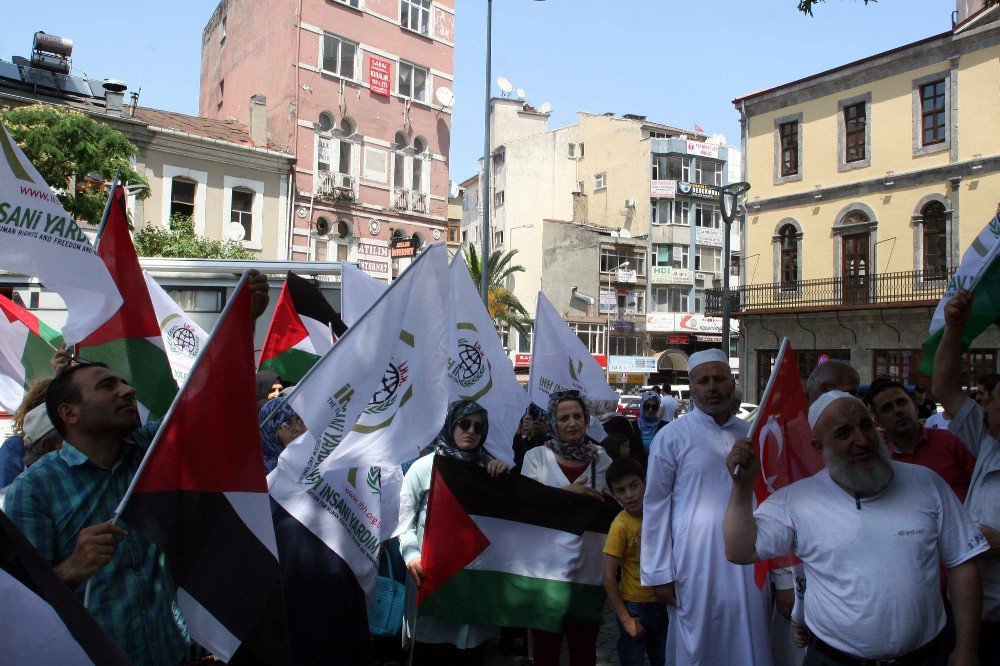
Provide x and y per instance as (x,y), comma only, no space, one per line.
(136,317)
(210,440)
(13,312)
(286,329)
(451,539)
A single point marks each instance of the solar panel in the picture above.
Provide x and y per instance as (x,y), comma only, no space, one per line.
(39,77)
(73,84)
(97,87)
(9,70)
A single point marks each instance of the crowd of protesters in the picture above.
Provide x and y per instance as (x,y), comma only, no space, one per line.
(897,536)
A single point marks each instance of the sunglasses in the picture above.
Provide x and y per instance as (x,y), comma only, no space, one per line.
(469,424)
(290,423)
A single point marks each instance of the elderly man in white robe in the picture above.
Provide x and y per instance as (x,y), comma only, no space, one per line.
(717,613)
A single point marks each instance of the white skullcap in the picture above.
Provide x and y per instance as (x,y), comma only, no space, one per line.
(37,424)
(707,356)
(824,401)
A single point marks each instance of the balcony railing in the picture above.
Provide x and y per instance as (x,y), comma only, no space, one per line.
(336,186)
(849,292)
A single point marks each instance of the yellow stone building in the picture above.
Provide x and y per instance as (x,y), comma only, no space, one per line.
(869,182)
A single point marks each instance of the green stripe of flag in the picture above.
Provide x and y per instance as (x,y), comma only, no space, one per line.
(291,364)
(144,365)
(510,600)
(985,311)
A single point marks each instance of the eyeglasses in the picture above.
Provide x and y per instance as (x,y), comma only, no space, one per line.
(290,424)
(469,424)
(649,406)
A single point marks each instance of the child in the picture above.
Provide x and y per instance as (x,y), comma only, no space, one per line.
(642,621)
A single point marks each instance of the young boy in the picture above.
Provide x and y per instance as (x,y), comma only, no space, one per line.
(642,621)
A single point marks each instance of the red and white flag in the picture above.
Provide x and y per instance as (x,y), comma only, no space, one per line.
(782,440)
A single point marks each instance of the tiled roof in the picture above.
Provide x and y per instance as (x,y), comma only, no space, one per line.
(229,131)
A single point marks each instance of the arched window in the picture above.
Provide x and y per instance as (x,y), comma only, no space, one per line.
(789,257)
(241,210)
(935,241)
(182,195)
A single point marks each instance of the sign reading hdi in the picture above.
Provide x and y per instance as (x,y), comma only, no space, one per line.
(378,76)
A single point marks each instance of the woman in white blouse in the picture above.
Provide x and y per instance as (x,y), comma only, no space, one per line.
(574,462)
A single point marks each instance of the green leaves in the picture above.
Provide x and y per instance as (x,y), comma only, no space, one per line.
(73,153)
(181,241)
(504,307)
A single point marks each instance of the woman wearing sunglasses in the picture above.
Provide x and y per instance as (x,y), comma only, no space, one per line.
(279,431)
(573,461)
(462,437)
(649,421)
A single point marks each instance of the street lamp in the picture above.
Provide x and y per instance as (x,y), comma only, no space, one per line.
(484,280)
(607,331)
(729,196)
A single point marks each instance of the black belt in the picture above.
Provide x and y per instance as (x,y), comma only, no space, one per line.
(919,655)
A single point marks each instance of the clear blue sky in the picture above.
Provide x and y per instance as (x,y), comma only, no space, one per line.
(678,63)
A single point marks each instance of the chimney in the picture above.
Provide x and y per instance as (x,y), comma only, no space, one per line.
(258,121)
(114,93)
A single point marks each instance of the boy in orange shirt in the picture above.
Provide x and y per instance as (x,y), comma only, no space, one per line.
(642,621)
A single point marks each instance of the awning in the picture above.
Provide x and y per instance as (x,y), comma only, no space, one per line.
(672,359)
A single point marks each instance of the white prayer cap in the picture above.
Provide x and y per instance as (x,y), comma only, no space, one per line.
(707,356)
(37,424)
(824,401)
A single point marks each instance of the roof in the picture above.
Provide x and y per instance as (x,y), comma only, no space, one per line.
(839,68)
(229,131)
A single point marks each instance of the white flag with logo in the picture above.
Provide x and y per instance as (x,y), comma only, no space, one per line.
(561,362)
(374,400)
(40,239)
(478,367)
(182,337)
(358,291)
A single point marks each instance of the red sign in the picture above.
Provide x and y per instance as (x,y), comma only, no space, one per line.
(522,360)
(601,359)
(378,76)
(677,339)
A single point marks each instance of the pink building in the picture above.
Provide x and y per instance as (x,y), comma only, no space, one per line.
(360,92)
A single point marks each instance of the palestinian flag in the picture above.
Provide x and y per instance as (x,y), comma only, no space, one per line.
(510,551)
(201,496)
(130,342)
(300,330)
(43,621)
(26,348)
(979,273)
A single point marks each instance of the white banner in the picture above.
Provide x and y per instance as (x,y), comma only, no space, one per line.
(700,149)
(632,364)
(40,239)
(358,291)
(478,367)
(182,337)
(663,189)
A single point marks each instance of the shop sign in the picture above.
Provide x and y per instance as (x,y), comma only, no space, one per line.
(669,275)
(379,76)
(373,258)
(522,360)
(707,236)
(632,364)
(659,322)
(622,328)
(627,275)
(686,323)
(662,189)
(403,248)
(699,324)
(701,149)
(609,301)
(678,339)
(697,190)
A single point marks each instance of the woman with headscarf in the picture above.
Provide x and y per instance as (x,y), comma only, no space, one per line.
(462,437)
(649,421)
(571,461)
(278,431)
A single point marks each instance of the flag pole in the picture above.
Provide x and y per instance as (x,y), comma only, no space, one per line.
(107,208)
(767,391)
(309,372)
(166,417)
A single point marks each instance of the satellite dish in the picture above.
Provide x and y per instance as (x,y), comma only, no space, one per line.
(445,97)
(505,85)
(235,231)
(545,107)
(625,233)
(521,94)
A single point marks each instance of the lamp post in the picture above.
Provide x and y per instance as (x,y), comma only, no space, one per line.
(607,331)
(484,280)
(728,202)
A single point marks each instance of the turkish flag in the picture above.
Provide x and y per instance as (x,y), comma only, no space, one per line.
(782,440)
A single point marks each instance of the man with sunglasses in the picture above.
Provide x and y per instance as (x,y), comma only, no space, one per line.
(64,504)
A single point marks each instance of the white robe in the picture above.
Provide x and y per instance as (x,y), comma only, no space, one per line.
(721,617)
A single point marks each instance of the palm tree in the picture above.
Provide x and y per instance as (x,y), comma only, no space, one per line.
(503,306)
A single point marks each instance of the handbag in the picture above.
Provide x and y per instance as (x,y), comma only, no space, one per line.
(385,618)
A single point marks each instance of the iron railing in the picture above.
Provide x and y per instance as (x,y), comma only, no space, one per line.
(849,292)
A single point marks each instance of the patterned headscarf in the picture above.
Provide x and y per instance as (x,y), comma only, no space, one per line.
(445,444)
(585,449)
(269,431)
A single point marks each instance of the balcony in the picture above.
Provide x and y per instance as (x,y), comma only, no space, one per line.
(418,202)
(339,186)
(843,293)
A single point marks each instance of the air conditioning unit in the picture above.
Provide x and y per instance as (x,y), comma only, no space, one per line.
(630,203)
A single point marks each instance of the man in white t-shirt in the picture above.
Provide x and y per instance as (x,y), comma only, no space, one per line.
(870,533)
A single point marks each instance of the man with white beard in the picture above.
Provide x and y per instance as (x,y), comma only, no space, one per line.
(717,613)
(870,533)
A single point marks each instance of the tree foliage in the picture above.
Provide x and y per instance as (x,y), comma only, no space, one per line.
(73,153)
(504,307)
(180,241)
